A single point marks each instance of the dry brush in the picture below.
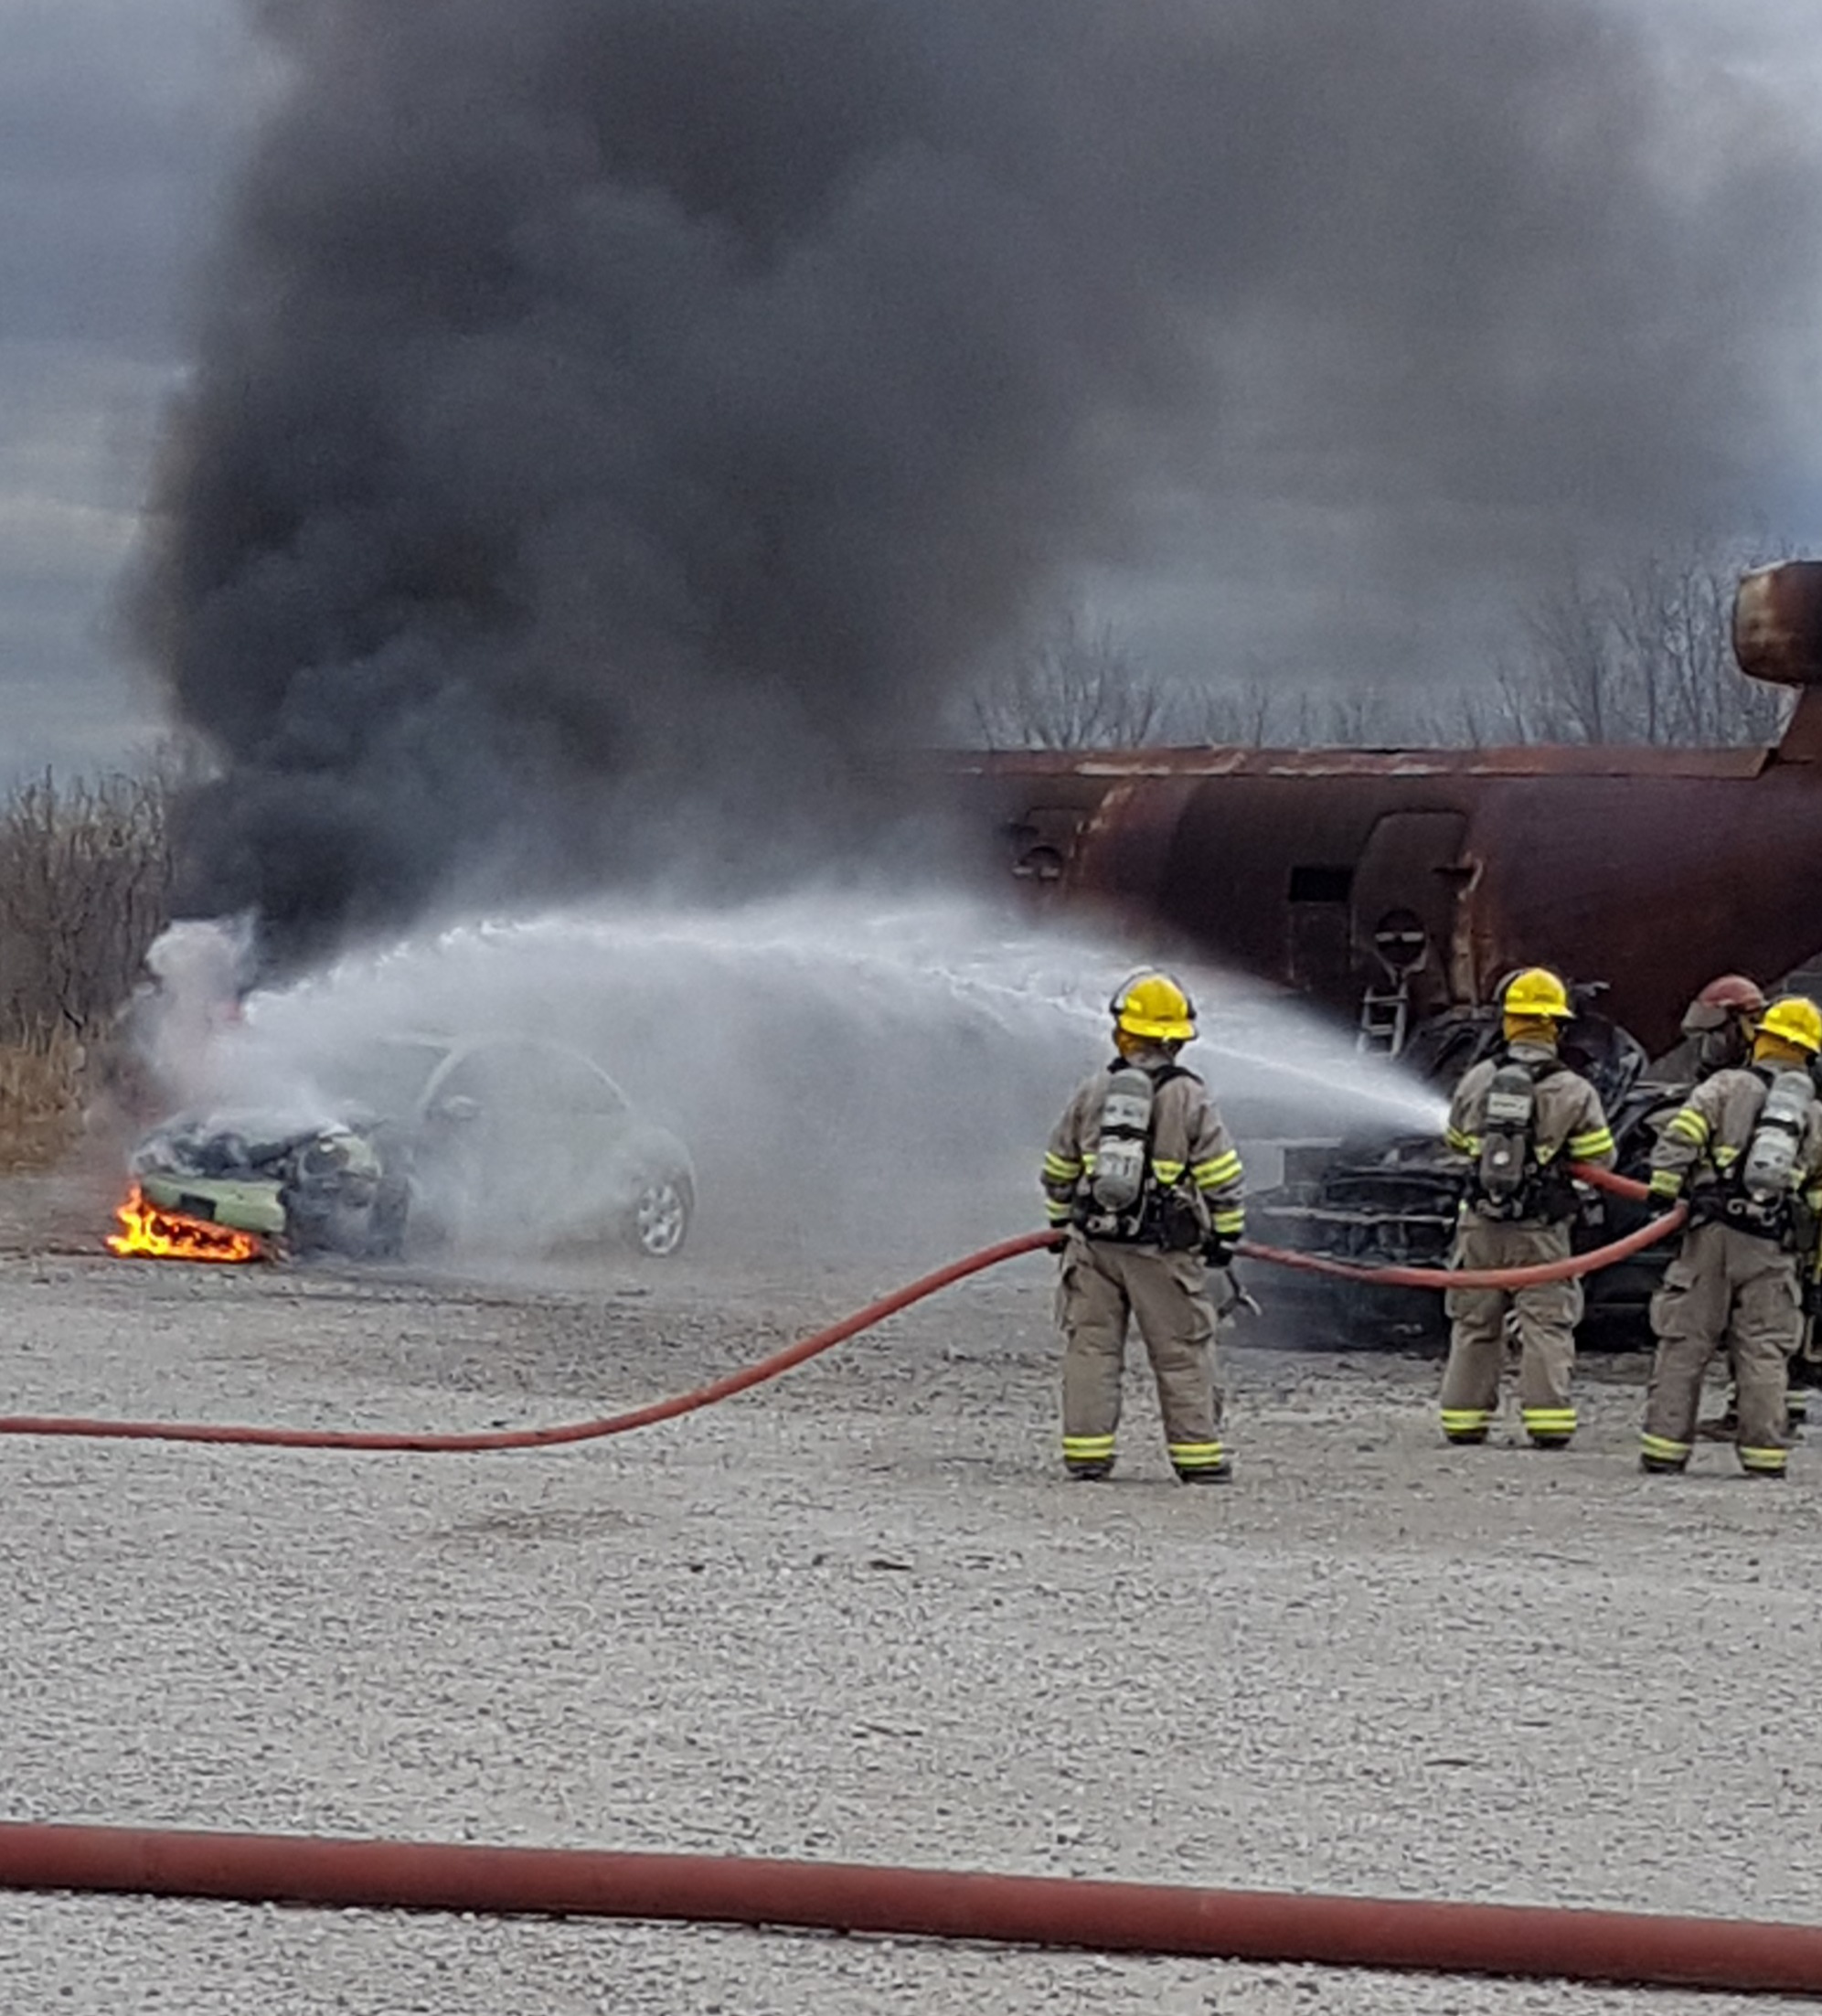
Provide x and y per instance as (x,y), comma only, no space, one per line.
(85,872)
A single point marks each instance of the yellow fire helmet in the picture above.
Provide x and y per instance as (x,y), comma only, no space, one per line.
(1794,1020)
(1537,993)
(1152,1007)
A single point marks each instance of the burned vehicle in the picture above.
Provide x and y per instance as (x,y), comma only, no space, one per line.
(488,1143)
(1391,1200)
(327,1186)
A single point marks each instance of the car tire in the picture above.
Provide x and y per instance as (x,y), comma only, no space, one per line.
(658,1219)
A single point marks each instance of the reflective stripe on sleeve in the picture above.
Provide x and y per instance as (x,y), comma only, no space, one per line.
(1167,1172)
(1218,1171)
(1666,1183)
(1687,1125)
(1230,1224)
(1062,1169)
(1596,1141)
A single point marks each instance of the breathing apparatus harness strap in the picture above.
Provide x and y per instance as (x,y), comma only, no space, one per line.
(1510,1182)
(1134,1208)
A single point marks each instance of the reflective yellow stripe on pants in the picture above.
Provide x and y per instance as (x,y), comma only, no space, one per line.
(1465,1420)
(1548,1424)
(1763,1460)
(1661,1449)
(1087,1448)
(1195,1456)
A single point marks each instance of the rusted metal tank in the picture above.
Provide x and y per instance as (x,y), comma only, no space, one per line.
(1327,870)
(1777,624)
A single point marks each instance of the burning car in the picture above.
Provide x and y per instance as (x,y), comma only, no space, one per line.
(491,1142)
(242,1187)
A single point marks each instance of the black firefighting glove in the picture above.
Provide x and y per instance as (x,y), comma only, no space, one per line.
(1218,1250)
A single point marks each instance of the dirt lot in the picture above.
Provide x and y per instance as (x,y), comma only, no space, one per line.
(854,1614)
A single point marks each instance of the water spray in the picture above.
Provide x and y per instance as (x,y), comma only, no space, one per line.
(873,1031)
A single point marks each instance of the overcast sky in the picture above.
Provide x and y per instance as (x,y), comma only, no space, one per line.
(119,120)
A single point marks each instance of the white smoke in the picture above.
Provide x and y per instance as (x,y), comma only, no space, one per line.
(183,1021)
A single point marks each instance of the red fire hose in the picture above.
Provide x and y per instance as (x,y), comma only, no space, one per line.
(573,1431)
(817,1343)
(1526,1941)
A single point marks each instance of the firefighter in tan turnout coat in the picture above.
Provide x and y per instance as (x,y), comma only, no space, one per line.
(1141,1170)
(1747,1147)
(1520,1118)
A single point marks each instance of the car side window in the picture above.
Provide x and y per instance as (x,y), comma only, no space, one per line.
(528,1079)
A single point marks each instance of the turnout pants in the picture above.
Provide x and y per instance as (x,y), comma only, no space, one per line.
(1723,1286)
(1544,1318)
(1102,1284)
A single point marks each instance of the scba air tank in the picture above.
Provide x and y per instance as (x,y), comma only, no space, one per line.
(1506,1134)
(1120,1154)
(1767,1172)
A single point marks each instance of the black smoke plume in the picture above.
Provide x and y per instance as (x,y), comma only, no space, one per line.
(616,423)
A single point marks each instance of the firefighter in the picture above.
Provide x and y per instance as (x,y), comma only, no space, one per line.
(1747,1145)
(1717,1032)
(1143,1173)
(1520,1116)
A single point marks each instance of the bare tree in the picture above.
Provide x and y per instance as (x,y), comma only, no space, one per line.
(1637,652)
(84,884)
(1264,712)
(1076,687)
(1243,716)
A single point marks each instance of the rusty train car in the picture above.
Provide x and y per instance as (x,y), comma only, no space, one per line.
(1400,882)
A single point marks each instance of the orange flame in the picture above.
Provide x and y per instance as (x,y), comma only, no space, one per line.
(155,1234)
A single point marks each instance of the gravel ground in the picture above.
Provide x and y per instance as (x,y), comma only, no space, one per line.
(855,1614)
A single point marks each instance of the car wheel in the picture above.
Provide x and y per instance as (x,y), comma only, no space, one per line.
(659,1221)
